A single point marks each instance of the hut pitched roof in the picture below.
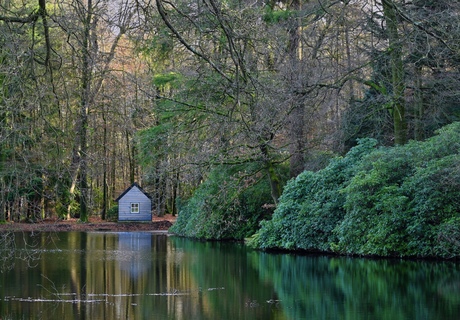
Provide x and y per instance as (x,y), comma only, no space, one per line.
(132,186)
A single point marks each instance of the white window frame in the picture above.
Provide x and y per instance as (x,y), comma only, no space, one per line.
(134,206)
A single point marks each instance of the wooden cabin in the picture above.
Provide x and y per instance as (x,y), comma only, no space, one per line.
(134,204)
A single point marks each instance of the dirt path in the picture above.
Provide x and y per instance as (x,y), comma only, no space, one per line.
(94,224)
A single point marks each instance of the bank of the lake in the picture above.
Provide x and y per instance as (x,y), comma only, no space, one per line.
(95,223)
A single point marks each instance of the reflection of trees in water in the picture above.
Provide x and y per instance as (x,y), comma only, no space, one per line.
(228,284)
(352,288)
(16,246)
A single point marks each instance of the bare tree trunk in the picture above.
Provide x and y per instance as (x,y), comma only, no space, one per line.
(273,177)
(104,167)
(75,168)
(296,118)
(397,72)
(175,192)
(3,206)
(84,107)
(418,102)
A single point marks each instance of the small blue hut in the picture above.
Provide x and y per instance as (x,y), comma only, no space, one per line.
(134,204)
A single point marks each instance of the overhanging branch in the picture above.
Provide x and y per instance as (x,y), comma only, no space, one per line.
(189,47)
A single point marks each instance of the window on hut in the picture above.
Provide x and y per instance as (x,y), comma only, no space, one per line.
(135,207)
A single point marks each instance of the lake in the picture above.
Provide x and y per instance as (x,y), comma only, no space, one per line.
(141,275)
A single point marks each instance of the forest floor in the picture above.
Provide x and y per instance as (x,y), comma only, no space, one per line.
(94,224)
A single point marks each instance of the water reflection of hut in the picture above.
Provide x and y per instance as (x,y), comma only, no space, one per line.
(134,252)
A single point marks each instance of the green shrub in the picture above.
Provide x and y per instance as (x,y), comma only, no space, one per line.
(228,205)
(401,199)
(112,213)
(372,200)
(311,206)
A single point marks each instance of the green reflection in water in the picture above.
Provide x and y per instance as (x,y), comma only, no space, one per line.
(147,276)
(350,288)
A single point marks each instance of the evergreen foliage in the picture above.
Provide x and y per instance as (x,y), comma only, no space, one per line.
(228,205)
(392,201)
(311,206)
(276,16)
(112,213)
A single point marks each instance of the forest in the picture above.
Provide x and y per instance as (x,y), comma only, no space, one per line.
(320,125)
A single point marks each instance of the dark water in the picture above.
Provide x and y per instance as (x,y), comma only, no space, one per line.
(146,276)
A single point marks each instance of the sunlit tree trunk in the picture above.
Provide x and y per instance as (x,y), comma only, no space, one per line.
(104,166)
(84,107)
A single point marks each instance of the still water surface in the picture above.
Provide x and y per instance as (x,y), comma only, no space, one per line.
(139,275)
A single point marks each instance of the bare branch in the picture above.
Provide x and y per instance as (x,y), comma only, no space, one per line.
(163,15)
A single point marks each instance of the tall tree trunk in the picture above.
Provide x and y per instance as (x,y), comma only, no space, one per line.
(130,154)
(104,167)
(74,169)
(418,103)
(296,118)
(85,99)
(175,191)
(397,71)
(3,194)
(273,177)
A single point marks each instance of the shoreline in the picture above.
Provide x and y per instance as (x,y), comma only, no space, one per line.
(158,224)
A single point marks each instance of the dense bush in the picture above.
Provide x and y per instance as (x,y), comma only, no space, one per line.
(228,205)
(311,206)
(398,201)
(112,213)
(403,200)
